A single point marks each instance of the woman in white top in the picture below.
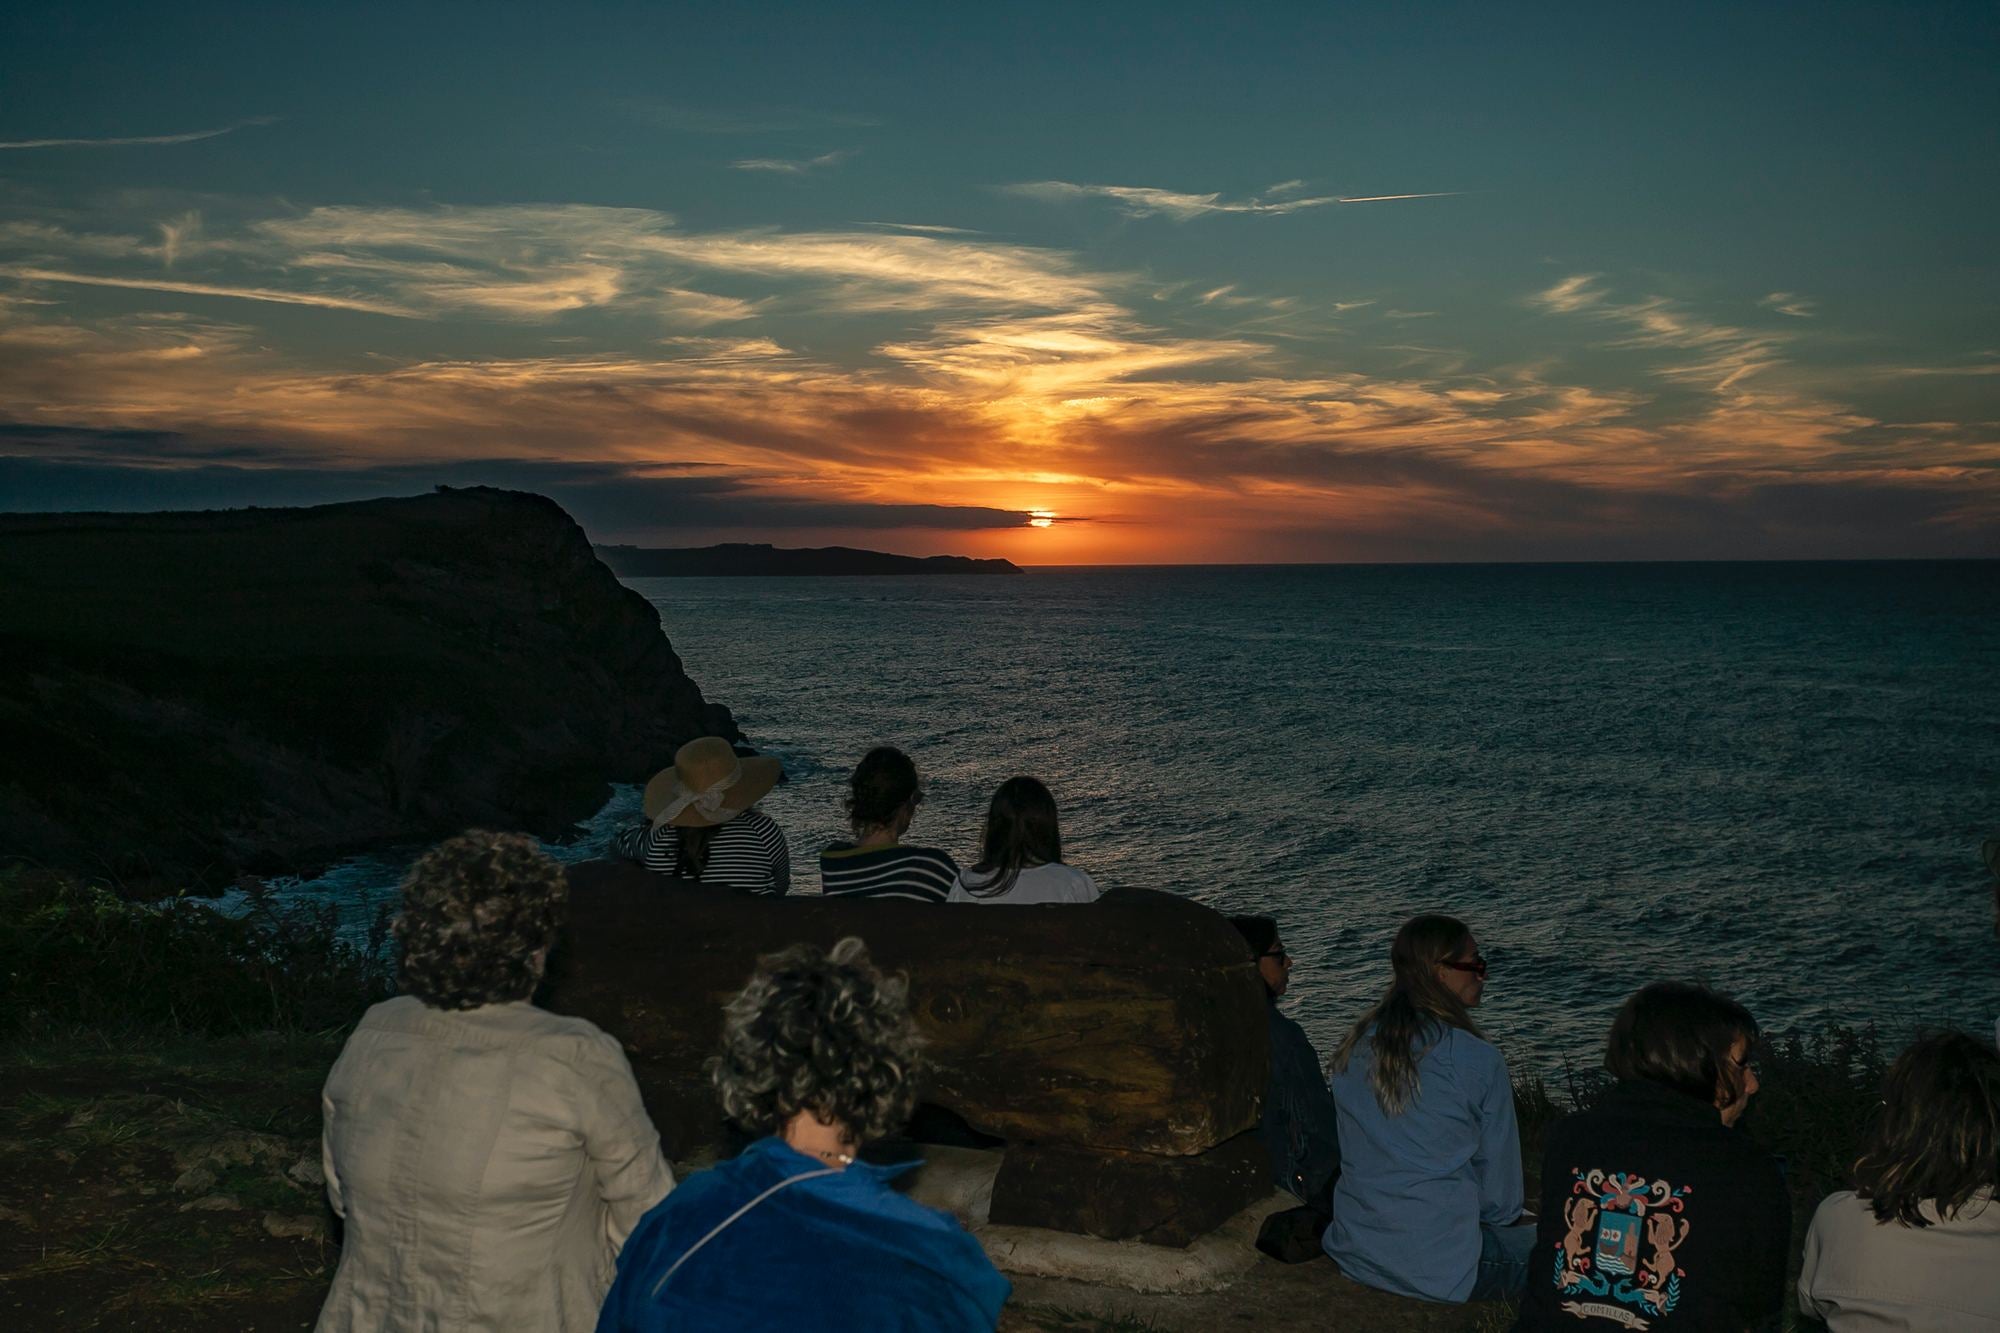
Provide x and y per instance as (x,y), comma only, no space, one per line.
(1021,860)
(489,1157)
(1917,1244)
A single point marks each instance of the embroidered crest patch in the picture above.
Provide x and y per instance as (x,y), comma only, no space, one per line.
(1620,1232)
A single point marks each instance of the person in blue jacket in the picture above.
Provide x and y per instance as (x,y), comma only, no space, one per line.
(818,1055)
(1429,1200)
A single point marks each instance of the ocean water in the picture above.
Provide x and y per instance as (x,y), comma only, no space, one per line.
(1773,778)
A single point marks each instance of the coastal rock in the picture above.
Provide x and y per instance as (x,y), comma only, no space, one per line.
(1123,1042)
(1127,1195)
(214,1203)
(195,1180)
(282,1226)
(205,694)
(236,1148)
(1135,1023)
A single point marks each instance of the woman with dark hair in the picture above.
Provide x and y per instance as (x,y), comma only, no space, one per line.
(1653,1206)
(819,1055)
(702,821)
(1020,859)
(489,1157)
(882,800)
(1916,1245)
(1300,1125)
(1429,1198)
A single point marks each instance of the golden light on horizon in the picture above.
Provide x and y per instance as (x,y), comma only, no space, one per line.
(1042,518)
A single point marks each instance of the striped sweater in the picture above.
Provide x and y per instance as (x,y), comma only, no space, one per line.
(748,852)
(922,874)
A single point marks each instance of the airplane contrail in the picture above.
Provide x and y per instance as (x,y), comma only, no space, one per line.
(189,137)
(1384,198)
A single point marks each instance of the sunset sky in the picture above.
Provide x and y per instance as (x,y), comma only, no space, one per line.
(1074,283)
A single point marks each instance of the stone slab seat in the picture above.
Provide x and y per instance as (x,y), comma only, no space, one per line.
(1129,1033)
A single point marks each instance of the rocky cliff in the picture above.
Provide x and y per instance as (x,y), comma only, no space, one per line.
(187,696)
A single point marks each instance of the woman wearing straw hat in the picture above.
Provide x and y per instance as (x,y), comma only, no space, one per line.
(702,821)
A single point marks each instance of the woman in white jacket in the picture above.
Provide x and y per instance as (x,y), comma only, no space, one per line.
(489,1157)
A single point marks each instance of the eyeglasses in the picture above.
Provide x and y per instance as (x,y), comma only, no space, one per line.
(1477,966)
(1749,1066)
(1279,954)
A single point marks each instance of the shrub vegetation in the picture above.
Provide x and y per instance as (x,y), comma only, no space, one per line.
(77,956)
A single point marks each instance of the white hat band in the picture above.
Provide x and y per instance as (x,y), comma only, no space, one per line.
(707,802)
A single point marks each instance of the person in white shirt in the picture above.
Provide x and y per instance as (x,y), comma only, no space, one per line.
(1916,1245)
(1021,860)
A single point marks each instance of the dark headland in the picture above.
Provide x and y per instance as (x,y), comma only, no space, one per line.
(741,558)
(188,696)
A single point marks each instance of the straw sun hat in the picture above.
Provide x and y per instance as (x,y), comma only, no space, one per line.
(708,784)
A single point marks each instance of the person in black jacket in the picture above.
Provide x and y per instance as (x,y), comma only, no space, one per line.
(1656,1213)
(1300,1128)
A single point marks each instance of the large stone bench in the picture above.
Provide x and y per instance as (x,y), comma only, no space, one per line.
(1118,1048)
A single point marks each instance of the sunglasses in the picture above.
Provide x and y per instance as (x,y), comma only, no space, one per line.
(1477,966)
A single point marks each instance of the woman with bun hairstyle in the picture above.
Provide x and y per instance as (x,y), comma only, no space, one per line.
(1428,1202)
(882,799)
(1916,1243)
(1020,860)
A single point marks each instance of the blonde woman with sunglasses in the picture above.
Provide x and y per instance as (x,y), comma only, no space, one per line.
(1428,1203)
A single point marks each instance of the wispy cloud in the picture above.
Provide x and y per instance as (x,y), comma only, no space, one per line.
(924,228)
(192,136)
(1146,201)
(806,166)
(1788,303)
(1574,293)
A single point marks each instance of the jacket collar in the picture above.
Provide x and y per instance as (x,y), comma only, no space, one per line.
(786,1160)
(1656,1100)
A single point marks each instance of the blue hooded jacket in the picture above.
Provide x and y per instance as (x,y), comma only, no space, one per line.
(836,1251)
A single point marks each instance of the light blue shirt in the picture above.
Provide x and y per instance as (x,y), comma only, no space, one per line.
(1414,1188)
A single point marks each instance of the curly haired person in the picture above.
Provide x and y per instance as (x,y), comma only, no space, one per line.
(488,1156)
(819,1056)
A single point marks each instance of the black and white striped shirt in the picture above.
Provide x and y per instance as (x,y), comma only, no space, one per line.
(748,852)
(924,874)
